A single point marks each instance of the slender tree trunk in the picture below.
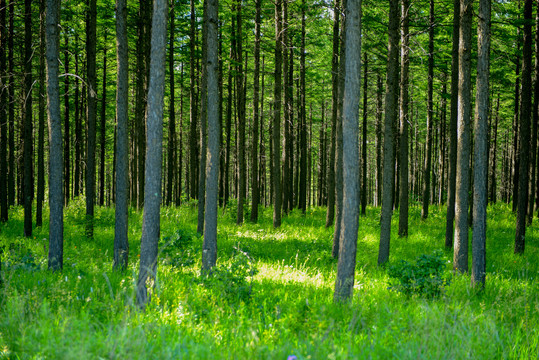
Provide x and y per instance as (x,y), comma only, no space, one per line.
(28,189)
(524,133)
(450,217)
(3,116)
(516,124)
(203,131)
(481,146)
(67,135)
(460,255)
(533,144)
(430,119)
(91,117)
(378,131)
(364,143)
(276,172)
(240,95)
(103,128)
(404,100)
(344,283)
(391,116)
(78,127)
(11,110)
(443,140)
(330,215)
(493,147)
(154,154)
(56,196)
(209,253)
(193,110)
(303,120)
(171,144)
(255,191)
(41,116)
(228,131)
(121,243)
(288,178)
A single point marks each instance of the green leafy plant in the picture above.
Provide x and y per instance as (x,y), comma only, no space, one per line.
(177,249)
(425,277)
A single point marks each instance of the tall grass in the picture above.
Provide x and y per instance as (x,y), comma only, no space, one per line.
(88,311)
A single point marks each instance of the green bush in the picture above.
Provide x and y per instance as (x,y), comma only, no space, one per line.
(177,250)
(425,277)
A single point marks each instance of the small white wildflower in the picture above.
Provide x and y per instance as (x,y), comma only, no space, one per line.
(66,278)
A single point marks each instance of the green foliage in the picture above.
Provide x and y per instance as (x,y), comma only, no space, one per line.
(233,280)
(178,250)
(425,277)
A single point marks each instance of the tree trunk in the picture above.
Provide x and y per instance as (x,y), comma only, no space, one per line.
(481,146)
(288,177)
(209,253)
(203,141)
(533,143)
(121,243)
(302,201)
(391,117)
(364,144)
(378,130)
(91,117)
(460,255)
(28,189)
(430,118)
(41,126)
(67,136)
(193,107)
(154,154)
(240,96)
(344,283)
(11,110)
(56,196)
(3,116)
(276,131)
(404,102)
(171,144)
(330,215)
(78,126)
(493,147)
(255,191)
(516,124)
(450,217)
(103,127)
(524,133)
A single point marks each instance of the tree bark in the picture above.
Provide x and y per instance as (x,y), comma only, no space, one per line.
(56,196)
(103,128)
(344,283)
(378,140)
(154,154)
(481,146)
(11,110)
(121,243)
(452,175)
(67,136)
(460,255)
(40,196)
(3,116)
(255,179)
(78,127)
(535,118)
(404,102)
(391,117)
(276,131)
(364,143)
(240,97)
(302,201)
(28,189)
(209,252)
(203,131)
(171,144)
(91,117)
(524,133)
(193,108)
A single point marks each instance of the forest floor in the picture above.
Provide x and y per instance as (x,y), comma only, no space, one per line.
(271,296)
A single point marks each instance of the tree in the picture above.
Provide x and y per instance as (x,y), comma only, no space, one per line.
(121,243)
(535,118)
(40,195)
(302,201)
(56,196)
(460,255)
(171,144)
(240,96)
(209,247)
(391,116)
(103,126)
(28,189)
(193,107)
(91,115)
(403,131)
(450,217)
(481,146)
(344,283)
(255,181)
(3,115)
(524,133)
(276,135)
(67,137)
(154,153)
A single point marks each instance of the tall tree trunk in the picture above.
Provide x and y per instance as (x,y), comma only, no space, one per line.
(171,144)
(288,178)
(276,135)
(28,190)
(524,133)
(203,123)
(11,110)
(344,283)
(493,147)
(193,110)
(460,255)
(303,120)
(364,143)
(91,112)
(450,217)
(3,116)
(255,191)
(443,139)
(228,130)
(533,144)
(516,124)
(56,196)
(330,215)
(121,243)
(391,117)
(430,118)
(240,96)
(40,196)
(103,127)
(209,253)
(180,145)
(78,126)
(154,153)
(378,140)
(67,135)
(404,102)
(481,146)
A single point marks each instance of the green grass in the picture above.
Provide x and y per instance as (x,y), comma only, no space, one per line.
(88,311)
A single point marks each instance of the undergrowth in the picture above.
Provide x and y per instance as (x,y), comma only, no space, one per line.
(270,297)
